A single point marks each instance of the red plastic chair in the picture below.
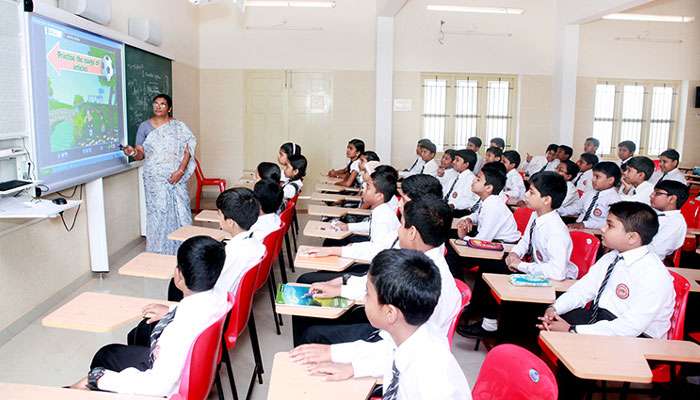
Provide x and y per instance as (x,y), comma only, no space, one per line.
(657,164)
(204,181)
(273,244)
(585,249)
(662,372)
(287,218)
(510,372)
(691,214)
(200,370)
(522,217)
(466,293)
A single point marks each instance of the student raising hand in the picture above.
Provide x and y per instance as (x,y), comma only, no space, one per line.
(333,371)
(311,354)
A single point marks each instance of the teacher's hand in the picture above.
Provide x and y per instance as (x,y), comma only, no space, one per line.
(175,177)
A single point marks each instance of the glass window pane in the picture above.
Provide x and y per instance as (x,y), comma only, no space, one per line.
(465,111)
(660,119)
(602,130)
(603,116)
(434,96)
(632,109)
(497,108)
(658,137)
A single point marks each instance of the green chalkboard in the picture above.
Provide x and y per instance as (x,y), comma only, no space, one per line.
(147,74)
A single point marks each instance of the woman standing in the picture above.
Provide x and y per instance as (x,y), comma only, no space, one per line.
(168,147)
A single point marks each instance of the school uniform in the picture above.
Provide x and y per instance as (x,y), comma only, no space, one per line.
(413,169)
(355,167)
(641,193)
(430,168)
(594,207)
(382,229)
(446,179)
(479,163)
(514,190)
(623,163)
(155,370)
(460,195)
(265,225)
(243,252)
(674,175)
(291,188)
(393,203)
(548,243)
(634,287)
(584,181)
(570,204)
(671,235)
(494,221)
(539,164)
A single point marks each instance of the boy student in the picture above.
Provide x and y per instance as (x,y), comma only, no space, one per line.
(418,186)
(594,205)
(474,144)
(564,152)
(427,154)
(445,173)
(493,154)
(269,196)
(154,367)
(568,170)
(459,195)
(418,163)
(635,180)
(630,289)
(591,145)
(498,142)
(584,179)
(515,187)
(668,163)
(625,151)
(295,171)
(268,170)
(536,164)
(403,289)
(667,199)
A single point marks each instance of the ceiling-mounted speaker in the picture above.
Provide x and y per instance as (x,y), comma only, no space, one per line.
(99,11)
(146,30)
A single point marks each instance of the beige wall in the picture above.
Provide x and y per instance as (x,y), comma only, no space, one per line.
(691,146)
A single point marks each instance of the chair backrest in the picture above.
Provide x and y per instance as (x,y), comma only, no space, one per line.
(510,372)
(272,242)
(241,306)
(522,217)
(466,293)
(198,171)
(200,367)
(585,249)
(288,213)
(691,213)
(676,258)
(681,287)
(657,164)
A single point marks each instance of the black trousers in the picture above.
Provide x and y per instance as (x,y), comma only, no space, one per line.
(351,326)
(323,276)
(141,334)
(344,242)
(582,316)
(117,357)
(482,301)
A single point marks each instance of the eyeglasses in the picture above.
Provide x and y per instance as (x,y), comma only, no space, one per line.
(159,105)
(655,193)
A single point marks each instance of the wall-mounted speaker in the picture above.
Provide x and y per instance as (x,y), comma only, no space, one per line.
(99,11)
(146,30)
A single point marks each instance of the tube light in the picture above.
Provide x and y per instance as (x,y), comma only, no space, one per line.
(649,17)
(480,10)
(300,4)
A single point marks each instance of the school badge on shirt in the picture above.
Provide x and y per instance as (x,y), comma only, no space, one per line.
(454,195)
(622,291)
(597,212)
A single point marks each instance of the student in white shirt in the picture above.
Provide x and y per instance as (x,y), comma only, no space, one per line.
(427,154)
(155,368)
(403,290)
(367,156)
(667,199)
(584,180)
(668,168)
(630,289)
(564,153)
(269,196)
(418,186)
(270,171)
(625,151)
(417,164)
(474,144)
(349,174)
(594,205)
(498,142)
(295,171)
(547,162)
(635,180)
(493,154)
(460,196)
(568,170)
(591,145)
(514,191)
(286,150)
(445,173)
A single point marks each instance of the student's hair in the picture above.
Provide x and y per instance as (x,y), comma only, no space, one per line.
(167,99)
(468,156)
(420,185)
(567,150)
(407,280)
(674,188)
(512,156)
(269,195)
(240,205)
(358,144)
(609,169)
(423,141)
(571,168)
(642,164)
(385,183)
(298,162)
(496,151)
(451,153)
(552,147)
(594,141)
(637,217)
(268,170)
(494,176)
(589,158)
(431,216)
(387,169)
(475,140)
(371,155)
(428,145)
(671,154)
(629,145)
(200,260)
(551,184)
(291,149)
(498,142)
(496,165)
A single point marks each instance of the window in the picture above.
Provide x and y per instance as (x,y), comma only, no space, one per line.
(482,107)
(638,111)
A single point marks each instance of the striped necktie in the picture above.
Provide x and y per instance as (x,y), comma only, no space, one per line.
(447,196)
(590,207)
(422,168)
(475,207)
(543,168)
(530,244)
(413,165)
(157,331)
(578,178)
(663,176)
(594,309)
(392,392)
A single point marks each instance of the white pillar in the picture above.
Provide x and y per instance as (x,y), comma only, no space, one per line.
(97,229)
(384,77)
(564,83)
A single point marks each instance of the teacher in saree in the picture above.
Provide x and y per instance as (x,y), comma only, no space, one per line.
(167,146)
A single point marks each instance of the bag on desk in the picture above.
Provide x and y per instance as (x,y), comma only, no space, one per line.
(484,245)
(529,280)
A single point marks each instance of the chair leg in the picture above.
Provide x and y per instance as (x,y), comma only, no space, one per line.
(274,288)
(624,391)
(219,389)
(283,268)
(253,332)
(198,197)
(295,220)
(290,256)
(294,240)
(229,371)
(271,289)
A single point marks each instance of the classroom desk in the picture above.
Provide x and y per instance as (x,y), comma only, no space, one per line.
(335,212)
(505,291)
(466,251)
(150,265)
(616,358)
(328,263)
(207,216)
(98,312)
(692,275)
(324,230)
(291,381)
(312,311)
(188,231)
(327,187)
(14,391)
(334,197)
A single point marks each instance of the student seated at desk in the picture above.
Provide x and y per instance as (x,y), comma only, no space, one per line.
(594,205)
(367,156)
(349,174)
(445,173)
(286,150)
(498,142)
(427,154)
(493,154)
(668,168)
(514,191)
(564,153)
(568,170)
(417,164)
(591,145)
(474,144)
(415,362)
(635,180)
(584,179)
(418,186)
(154,368)
(294,171)
(630,289)
(667,199)
(547,162)
(268,170)
(269,196)
(625,151)
(460,196)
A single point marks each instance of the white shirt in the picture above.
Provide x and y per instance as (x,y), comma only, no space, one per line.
(394,203)
(515,187)
(671,235)
(537,163)
(430,168)
(641,193)
(599,212)
(639,292)
(265,225)
(674,175)
(551,248)
(355,167)
(461,197)
(242,253)
(570,204)
(290,191)
(446,180)
(194,314)
(383,230)
(414,169)
(479,163)
(584,180)
(495,221)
